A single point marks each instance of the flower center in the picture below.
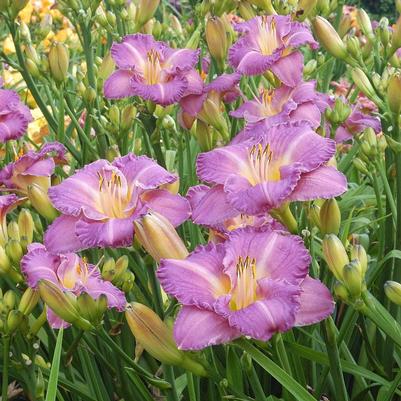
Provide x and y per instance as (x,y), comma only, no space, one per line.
(267,39)
(245,291)
(114,197)
(152,68)
(260,166)
(267,107)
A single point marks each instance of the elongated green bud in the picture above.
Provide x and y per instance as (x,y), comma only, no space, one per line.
(329,38)
(363,83)
(58,62)
(216,39)
(358,252)
(394,93)
(14,319)
(158,236)
(335,255)
(17,6)
(330,217)
(341,292)
(145,11)
(392,290)
(365,23)
(5,263)
(13,230)
(26,225)
(353,278)
(246,11)
(62,304)
(41,202)
(28,301)
(14,251)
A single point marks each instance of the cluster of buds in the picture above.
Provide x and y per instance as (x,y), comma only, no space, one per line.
(121,119)
(338,113)
(14,240)
(156,337)
(392,289)
(348,270)
(371,146)
(14,314)
(117,272)
(325,215)
(159,238)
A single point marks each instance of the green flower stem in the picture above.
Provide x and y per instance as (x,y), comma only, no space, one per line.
(28,79)
(330,339)
(6,360)
(191,387)
(300,393)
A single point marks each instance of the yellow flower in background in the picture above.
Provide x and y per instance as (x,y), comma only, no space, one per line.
(8,46)
(38,129)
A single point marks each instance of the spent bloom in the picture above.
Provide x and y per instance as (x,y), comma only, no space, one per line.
(286,164)
(255,284)
(34,167)
(152,70)
(100,202)
(69,273)
(268,43)
(14,116)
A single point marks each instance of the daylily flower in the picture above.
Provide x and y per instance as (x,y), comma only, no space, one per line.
(268,43)
(33,168)
(7,204)
(286,164)
(356,123)
(100,202)
(206,105)
(255,284)
(14,116)
(276,106)
(152,70)
(211,208)
(71,274)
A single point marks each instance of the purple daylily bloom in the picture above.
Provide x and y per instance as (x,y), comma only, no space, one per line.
(268,43)
(152,70)
(7,204)
(14,116)
(100,202)
(211,208)
(33,168)
(286,164)
(277,106)
(222,89)
(255,284)
(71,274)
(356,123)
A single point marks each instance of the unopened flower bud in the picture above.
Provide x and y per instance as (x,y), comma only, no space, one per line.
(109,269)
(24,32)
(128,115)
(360,165)
(353,278)
(363,83)
(396,37)
(62,304)
(9,299)
(345,25)
(358,252)
(246,10)
(121,266)
(28,301)
(106,67)
(58,62)
(211,114)
(26,225)
(13,230)
(314,215)
(160,239)
(4,4)
(329,38)
(330,217)
(145,11)
(392,290)
(14,251)
(335,255)
(394,93)
(168,123)
(89,308)
(265,5)
(305,8)
(5,263)
(216,39)
(310,67)
(341,291)
(14,319)
(354,47)
(41,202)
(194,40)
(127,281)
(365,23)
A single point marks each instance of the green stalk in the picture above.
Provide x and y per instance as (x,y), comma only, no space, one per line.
(191,387)
(6,360)
(334,359)
(293,387)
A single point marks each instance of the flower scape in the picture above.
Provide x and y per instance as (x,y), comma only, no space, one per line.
(199,201)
